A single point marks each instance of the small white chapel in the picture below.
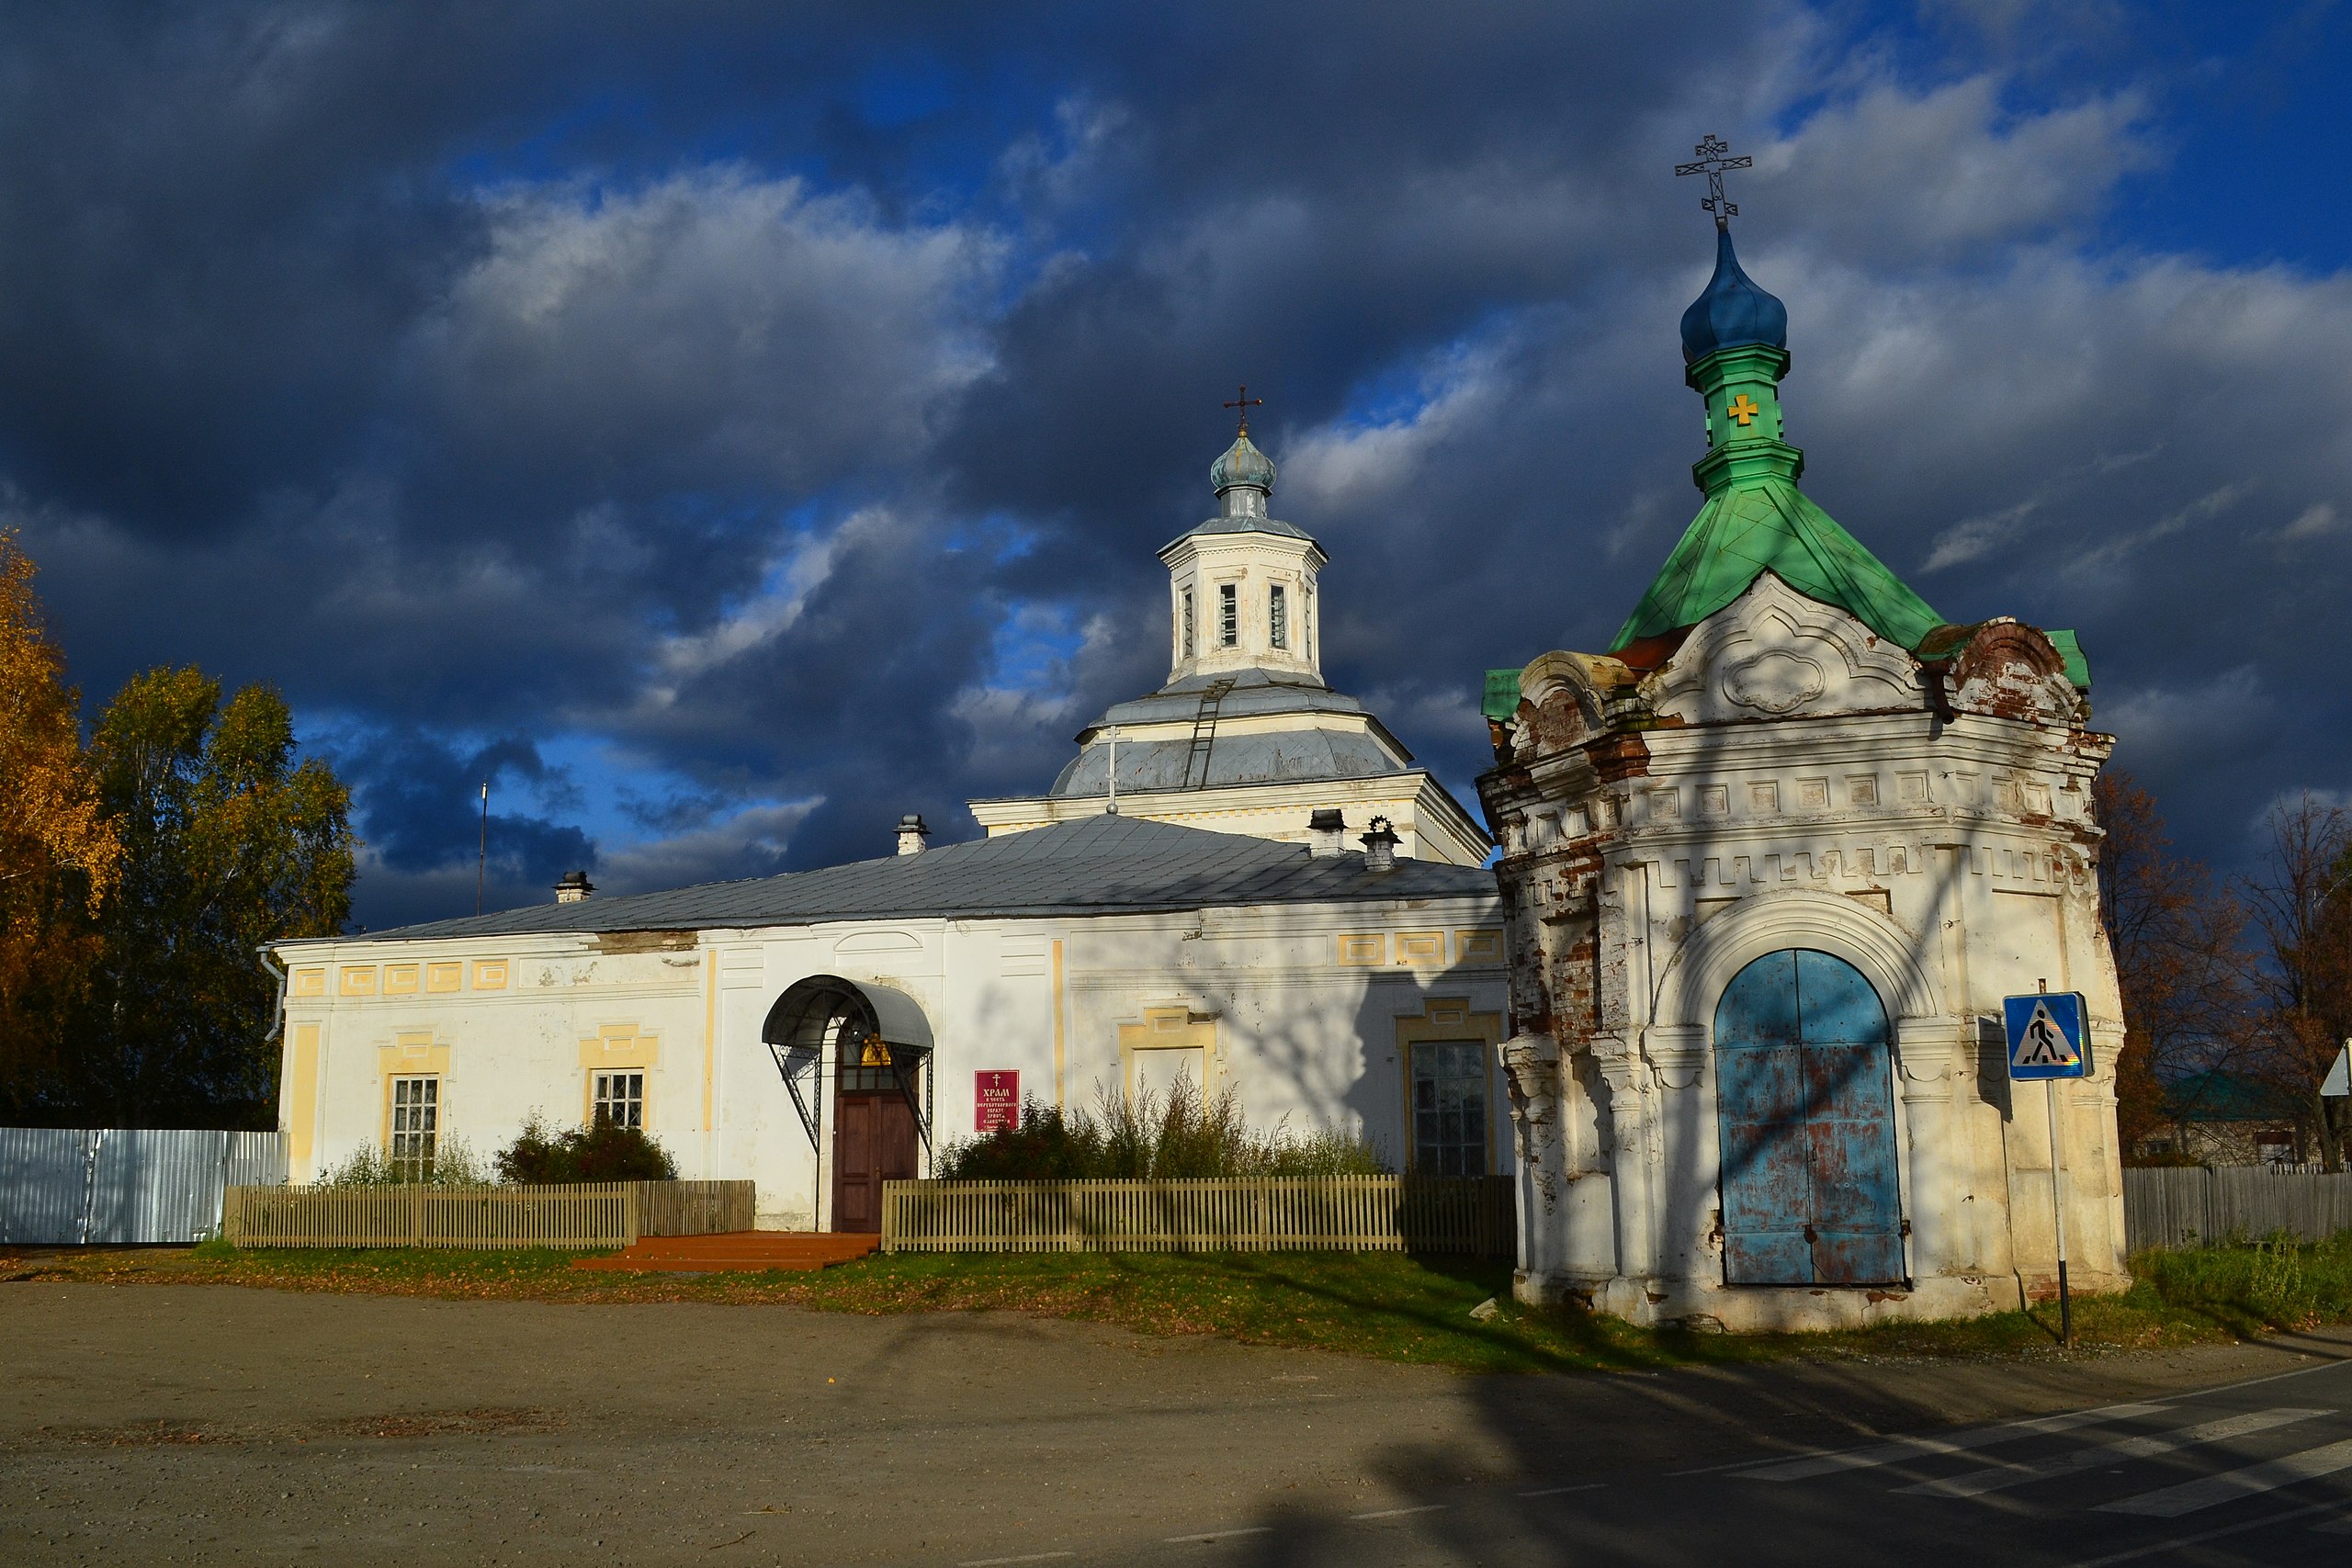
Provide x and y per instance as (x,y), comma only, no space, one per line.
(1241,878)
(1769,865)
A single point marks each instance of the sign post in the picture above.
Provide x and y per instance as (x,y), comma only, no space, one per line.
(2048,1040)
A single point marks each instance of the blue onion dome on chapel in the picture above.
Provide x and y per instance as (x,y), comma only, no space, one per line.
(1242,464)
(1733,311)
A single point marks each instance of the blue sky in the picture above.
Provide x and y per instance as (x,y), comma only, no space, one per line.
(730,428)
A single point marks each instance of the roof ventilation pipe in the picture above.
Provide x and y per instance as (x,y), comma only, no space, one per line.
(913,833)
(573,887)
(1380,846)
(1328,833)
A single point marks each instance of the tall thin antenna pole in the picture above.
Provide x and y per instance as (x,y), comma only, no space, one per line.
(482,860)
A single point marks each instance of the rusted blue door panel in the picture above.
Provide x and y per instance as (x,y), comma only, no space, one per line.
(1807,1125)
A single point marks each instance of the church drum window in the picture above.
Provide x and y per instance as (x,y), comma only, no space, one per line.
(1278,617)
(1804,1101)
(1228,614)
(619,1099)
(416,1126)
(1187,634)
(1449,1108)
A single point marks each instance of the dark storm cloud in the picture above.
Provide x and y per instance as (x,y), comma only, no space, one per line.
(790,404)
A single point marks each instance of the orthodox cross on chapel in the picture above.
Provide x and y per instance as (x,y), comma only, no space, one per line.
(1712,163)
(1245,403)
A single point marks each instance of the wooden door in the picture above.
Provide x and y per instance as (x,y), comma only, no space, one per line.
(874,1142)
(1806,1119)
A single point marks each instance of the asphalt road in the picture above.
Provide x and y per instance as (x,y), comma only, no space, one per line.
(152,1423)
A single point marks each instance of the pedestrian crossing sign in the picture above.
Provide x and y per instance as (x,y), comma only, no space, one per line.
(2046,1036)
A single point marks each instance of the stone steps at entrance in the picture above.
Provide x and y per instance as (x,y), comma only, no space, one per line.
(738,1250)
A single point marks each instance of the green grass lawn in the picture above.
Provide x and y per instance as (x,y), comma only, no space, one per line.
(1387,1305)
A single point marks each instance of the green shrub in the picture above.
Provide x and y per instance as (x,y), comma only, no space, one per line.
(1183,1135)
(453,1164)
(602,1151)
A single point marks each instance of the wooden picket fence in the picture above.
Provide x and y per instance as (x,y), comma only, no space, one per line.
(589,1214)
(2170,1207)
(1336,1213)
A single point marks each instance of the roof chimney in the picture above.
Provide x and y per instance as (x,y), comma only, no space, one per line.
(912,833)
(1330,833)
(1380,846)
(573,887)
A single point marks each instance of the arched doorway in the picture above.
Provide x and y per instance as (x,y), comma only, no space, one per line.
(874,1045)
(1806,1112)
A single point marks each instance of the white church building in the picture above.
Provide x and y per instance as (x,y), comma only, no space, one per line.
(1240,878)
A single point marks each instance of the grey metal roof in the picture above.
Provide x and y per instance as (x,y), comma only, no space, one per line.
(1286,756)
(1241,524)
(1099,865)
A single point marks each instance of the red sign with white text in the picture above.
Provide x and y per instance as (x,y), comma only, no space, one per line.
(996,1101)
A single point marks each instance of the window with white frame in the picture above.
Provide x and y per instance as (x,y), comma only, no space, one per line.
(619,1099)
(1278,617)
(1450,1108)
(1188,623)
(1307,613)
(416,1126)
(1228,613)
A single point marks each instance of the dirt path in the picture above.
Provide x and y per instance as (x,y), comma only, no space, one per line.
(209,1423)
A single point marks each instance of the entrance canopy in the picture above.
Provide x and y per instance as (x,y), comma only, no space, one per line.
(825,1014)
(824,1009)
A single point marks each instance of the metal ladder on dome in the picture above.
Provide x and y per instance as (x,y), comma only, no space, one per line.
(1205,732)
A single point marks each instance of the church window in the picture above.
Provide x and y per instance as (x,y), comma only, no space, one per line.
(1278,617)
(1450,1109)
(416,1125)
(1188,623)
(1306,614)
(620,1098)
(1228,614)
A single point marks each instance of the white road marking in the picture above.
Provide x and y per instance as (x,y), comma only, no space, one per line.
(2172,1502)
(1399,1513)
(1556,1491)
(1959,1442)
(1003,1562)
(1995,1477)
(2176,1542)
(1205,1536)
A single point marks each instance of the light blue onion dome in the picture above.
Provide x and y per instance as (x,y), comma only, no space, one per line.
(1242,464)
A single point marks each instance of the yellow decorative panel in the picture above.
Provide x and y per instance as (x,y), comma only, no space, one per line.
(1367,949)
(443,976)
(1167,1029)
(620,1045)
(1483,945)
(309,983)
(359,982)
(489,975)
(1421,947)
(302,1095)
(410,1055)
(400,979)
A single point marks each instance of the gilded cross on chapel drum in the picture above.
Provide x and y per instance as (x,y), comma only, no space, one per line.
(1245,403)
(1744,408)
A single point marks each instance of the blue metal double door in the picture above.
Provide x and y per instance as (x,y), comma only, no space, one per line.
(1806,1110)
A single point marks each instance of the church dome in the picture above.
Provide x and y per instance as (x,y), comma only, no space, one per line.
(1732,312)
(1242,464)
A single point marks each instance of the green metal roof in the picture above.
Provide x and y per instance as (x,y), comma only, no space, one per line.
(1765,523)
(2070,649)
(1502,700)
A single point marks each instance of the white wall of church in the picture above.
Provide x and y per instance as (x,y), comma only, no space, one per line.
(1310,1011)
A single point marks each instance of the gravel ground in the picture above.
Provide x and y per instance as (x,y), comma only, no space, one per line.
(211,1424)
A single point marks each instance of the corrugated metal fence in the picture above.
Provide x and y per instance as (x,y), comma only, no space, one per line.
(1336,1213)
(67,1185)
(2166,1207)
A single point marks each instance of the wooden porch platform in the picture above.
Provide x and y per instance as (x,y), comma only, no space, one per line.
(737,1250)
